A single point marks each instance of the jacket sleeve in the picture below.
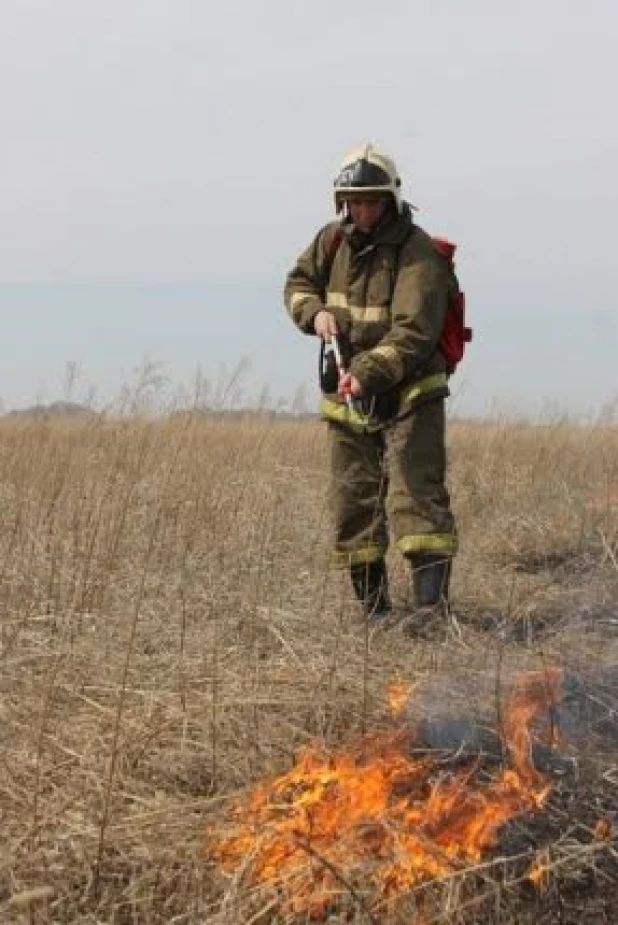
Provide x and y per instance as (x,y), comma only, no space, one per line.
(305,285)
(418,308)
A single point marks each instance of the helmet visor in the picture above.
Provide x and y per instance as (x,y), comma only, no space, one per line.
(362,174)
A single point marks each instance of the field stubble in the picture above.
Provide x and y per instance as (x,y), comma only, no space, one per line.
(171,633)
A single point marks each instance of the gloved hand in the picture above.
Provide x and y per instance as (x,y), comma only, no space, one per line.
(349,385)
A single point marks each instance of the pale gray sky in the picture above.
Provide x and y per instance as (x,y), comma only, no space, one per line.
(193,144)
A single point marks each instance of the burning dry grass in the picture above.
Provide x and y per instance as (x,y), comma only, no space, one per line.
(172,635)
(377,814)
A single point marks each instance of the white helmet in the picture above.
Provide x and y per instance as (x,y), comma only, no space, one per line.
(367,170)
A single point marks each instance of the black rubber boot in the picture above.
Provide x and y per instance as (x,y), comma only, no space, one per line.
(370,583)
(430,577)
(430,580)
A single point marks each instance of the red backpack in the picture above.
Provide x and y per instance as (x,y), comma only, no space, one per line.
(455,335)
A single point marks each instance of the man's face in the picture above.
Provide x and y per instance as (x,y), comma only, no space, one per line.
(366,211)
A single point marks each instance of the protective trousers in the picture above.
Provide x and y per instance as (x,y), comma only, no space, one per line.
(394,476)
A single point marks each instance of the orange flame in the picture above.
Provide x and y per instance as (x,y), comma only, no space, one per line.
(398,694)
(602,830)
(539,872)
(375,814)
(537,692)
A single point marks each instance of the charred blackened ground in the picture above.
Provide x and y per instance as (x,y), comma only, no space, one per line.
(574,867)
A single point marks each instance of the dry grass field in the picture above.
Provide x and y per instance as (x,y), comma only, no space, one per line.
(172,635)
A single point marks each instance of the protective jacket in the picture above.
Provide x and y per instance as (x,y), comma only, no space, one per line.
(389,292)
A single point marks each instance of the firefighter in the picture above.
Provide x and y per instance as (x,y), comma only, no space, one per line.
(374,280)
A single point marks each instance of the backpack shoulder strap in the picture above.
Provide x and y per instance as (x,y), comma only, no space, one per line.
(333,242)
(446,249)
